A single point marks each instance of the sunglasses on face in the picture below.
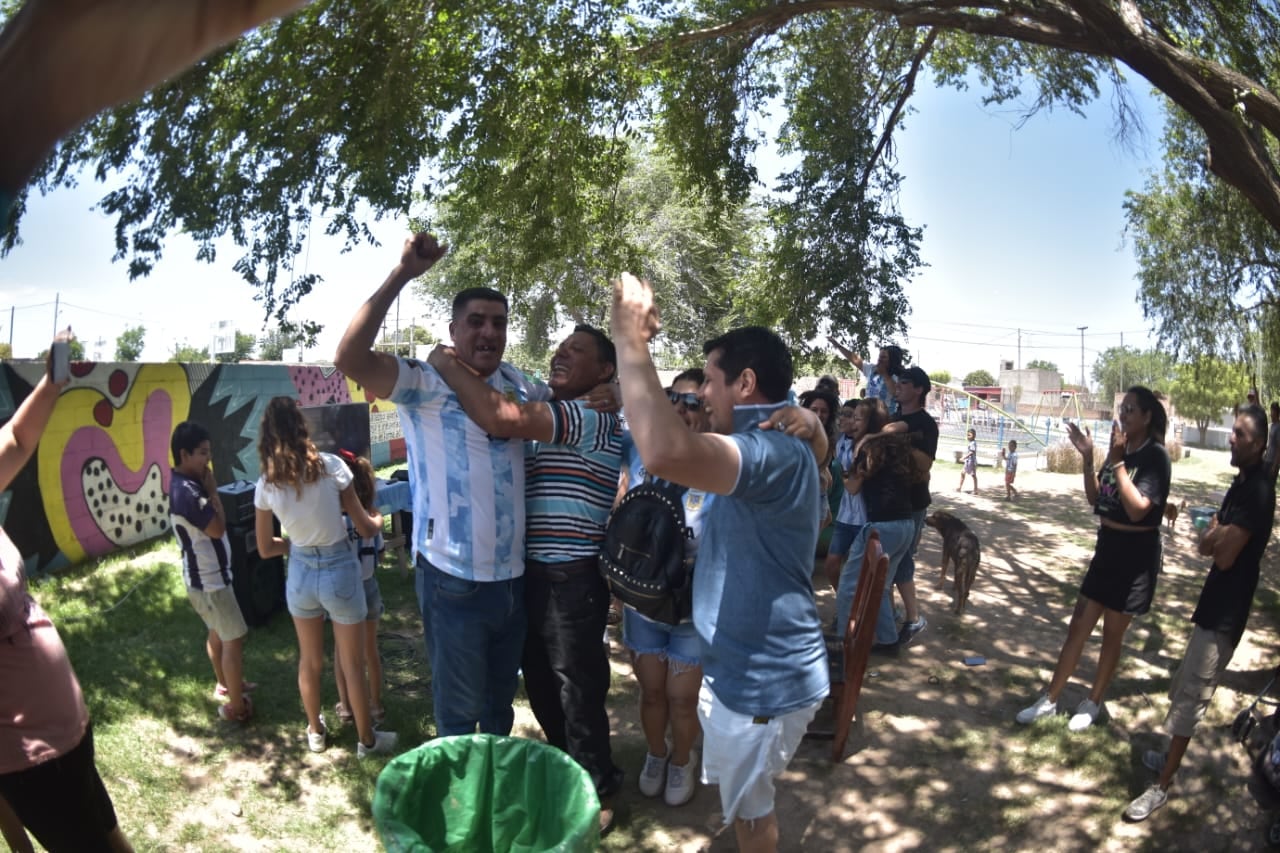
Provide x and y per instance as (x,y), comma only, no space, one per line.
(687,399)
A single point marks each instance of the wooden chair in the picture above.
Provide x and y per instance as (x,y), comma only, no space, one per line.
(858,636)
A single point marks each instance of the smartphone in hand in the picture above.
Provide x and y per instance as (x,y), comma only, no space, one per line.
(60,355)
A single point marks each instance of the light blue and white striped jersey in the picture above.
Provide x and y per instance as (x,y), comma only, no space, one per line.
(852,509)
(468,488)
(572,483)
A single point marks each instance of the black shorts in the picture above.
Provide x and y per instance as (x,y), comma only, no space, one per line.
(1123,573)
(63,802)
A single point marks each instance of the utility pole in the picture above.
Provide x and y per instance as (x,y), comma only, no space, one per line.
(1082,383)
(1122,386)
(1019,349)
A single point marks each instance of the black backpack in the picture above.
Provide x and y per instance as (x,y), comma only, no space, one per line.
(642,557)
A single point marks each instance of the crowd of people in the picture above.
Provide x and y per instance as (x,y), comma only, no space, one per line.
(512,485)
(513,482)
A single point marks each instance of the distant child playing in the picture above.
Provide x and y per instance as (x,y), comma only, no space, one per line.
(195,511)
(970,462)
(308,491)
(368,550)
(1010,470)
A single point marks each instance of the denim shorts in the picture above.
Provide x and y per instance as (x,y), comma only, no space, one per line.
(676,643)
(373,600)
(842,538)
(325,579)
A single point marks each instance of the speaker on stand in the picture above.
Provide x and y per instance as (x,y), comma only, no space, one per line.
(258,583)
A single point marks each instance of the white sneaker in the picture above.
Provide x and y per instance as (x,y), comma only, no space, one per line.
(1086,713)
(317,741)
(1042,708)
(681,781)
(654,774)
(384,743)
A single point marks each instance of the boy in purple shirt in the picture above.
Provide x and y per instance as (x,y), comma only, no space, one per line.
(201,527)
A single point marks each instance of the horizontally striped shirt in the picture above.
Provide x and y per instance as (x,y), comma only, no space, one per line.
(206,562)
(572,483)
(468,488)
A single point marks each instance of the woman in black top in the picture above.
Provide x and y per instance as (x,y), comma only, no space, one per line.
(1128,495)
(882,472)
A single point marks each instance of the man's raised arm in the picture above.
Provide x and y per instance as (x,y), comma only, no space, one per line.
(356,357)
(668,448)
(485,405)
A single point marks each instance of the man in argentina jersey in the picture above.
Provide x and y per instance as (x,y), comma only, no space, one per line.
(468,498)
(573,455)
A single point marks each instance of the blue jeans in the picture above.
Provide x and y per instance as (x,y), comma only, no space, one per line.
(895,539)
(907,571)
(475,635)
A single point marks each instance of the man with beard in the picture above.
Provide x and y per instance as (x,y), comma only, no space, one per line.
(468,498)
(1236,538)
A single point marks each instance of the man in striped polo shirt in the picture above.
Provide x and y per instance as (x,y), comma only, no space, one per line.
(573,455)
(468,498)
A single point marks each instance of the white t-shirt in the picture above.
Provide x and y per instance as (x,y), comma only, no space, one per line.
(315,518)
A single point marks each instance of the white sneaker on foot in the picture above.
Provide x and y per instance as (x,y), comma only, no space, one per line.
(1042,708)
(654,774)
(317,741)
(1085,715)
(681,781)
(384,743)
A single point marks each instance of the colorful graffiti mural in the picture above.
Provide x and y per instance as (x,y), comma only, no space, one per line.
(100,478)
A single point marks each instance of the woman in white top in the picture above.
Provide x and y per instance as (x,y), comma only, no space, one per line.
(308,491)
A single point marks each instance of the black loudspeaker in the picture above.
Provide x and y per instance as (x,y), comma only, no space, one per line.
(258,583)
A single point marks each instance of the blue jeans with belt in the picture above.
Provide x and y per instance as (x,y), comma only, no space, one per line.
(475,635)
(895,538)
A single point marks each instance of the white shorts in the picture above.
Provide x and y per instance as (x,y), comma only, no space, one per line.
(220,612)
(743,756)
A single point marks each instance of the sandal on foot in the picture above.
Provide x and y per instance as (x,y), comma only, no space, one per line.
(226,713)
(379,715)
(344,714)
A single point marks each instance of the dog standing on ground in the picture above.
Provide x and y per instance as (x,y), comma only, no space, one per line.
(960,545)
(1171,511)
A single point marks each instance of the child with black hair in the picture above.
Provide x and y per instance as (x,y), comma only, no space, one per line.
(196,513)
(369,550)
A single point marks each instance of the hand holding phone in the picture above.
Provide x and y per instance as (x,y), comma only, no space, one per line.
(60,357)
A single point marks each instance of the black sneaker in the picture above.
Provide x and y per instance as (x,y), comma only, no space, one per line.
(910,630)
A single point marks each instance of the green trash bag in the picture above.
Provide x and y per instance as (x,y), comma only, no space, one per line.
(479,793)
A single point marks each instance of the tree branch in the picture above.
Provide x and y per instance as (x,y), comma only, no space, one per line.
(908,88)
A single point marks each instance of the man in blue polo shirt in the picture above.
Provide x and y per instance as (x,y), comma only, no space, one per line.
(763,657)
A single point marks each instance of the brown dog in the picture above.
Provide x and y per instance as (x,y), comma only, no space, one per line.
(1171,511)
(959,545)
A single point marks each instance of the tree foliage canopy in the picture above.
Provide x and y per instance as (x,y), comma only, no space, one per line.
(514,123)
(1206,387)
(1041,364)
(1120,368)
(978,379)
(129,343)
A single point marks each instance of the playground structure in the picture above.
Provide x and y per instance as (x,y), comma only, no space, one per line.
(958,410)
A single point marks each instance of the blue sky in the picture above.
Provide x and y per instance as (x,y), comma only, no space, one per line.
(1023,229)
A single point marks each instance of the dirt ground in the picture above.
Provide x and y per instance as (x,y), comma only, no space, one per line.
(935,760)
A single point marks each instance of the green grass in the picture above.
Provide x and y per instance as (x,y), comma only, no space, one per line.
(138,650)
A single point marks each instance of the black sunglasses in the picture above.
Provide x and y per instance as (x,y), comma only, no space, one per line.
(688,399)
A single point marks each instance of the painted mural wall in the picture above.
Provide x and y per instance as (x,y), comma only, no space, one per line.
(99,480)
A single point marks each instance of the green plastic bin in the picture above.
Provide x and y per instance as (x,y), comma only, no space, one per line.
(479,793)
